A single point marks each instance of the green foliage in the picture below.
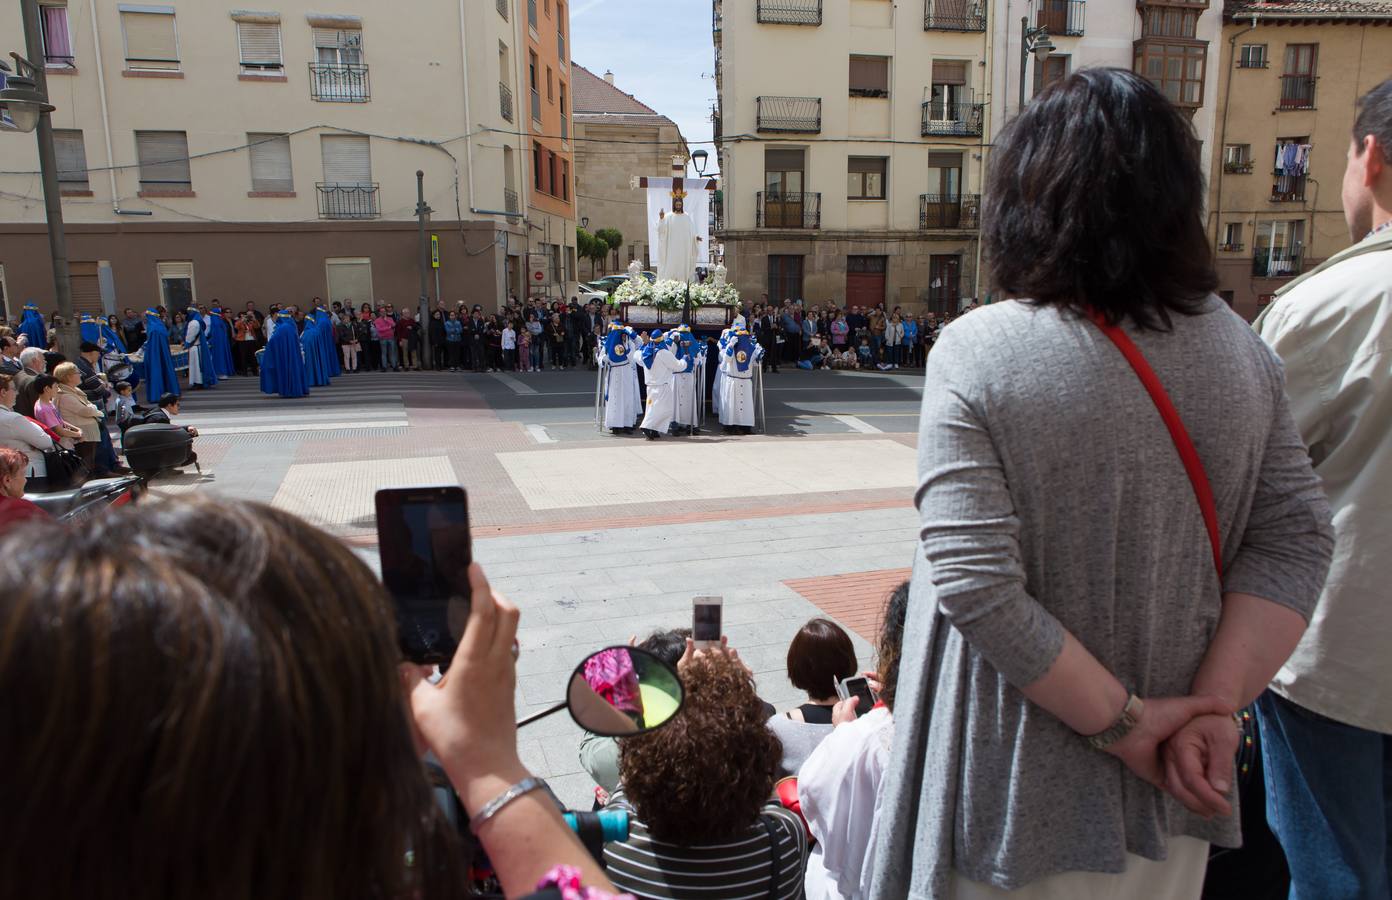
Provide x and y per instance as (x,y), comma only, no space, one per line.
(614,239)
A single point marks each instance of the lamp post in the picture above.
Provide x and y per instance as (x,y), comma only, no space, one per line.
(25,99)
(699,159)
(585,222)
(1032,41)
(422,213)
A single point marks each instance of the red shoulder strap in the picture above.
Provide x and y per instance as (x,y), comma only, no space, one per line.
(1203,491)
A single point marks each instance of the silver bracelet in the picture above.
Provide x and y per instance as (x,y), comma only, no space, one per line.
(1130,715)
(495,806)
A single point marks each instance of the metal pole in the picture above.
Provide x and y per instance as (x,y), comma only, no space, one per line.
(1024,60)
(68,339)
(421,212)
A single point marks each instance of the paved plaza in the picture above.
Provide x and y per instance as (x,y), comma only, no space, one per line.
(596,537)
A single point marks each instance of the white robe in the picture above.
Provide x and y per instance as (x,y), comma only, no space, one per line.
(676,248)
(661,403)
(684,394)
(737,397)
(622,404)
(191,333)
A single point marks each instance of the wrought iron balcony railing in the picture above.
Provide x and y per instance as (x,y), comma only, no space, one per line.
(1061,17)
(1230,248)
(1297,92)
(1238,167)
(952,118)
(346,83)
(503,8)
(954,15)
(781,210)
(357,200)
(961,212)
(1288,189)
(790,115)
(1276,263)
(789,12)
(505,101)
(510,200)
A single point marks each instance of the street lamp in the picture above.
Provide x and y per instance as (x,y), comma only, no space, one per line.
(585,222)
(698,158)
(25,99)
(1032,41)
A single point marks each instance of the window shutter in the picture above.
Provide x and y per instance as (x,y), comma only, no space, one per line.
(347,159)
(270,162)
(949,72)
(337,37)
(150,40)
(944,160)
(870,73)
(260,44)
(783,160)
(874,164)
(164,162)
(72,158)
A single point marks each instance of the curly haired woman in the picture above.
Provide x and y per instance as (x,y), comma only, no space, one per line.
(699,793)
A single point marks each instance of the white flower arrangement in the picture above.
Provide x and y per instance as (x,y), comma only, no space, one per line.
(672,294)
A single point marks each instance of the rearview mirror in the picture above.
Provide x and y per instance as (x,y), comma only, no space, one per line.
(620,692)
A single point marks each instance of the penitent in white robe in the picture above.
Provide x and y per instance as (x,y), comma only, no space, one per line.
(661,403)
(676,248)
(684,394)
(622,403)
(737,387)
(191,334)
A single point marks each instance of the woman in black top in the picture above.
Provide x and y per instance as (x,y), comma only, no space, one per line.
(438,356)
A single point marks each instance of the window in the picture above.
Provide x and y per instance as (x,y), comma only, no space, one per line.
(338,46)
(783,171)
(565,124)
(550,85)
(164,162)
(338,73)
(1253,57)
(565,180)
(1175,68)
(552,178)
(1291,167)
(57,43)
(535,85)
(1237,154)
(865,177)
(560,33)
(1298,77)
(869,76)
(945,175)
(537,160)
(72,160)
(784,277)
(259,44)
(1279,249)
(349,279)
(347,158)
(1165,21)
(175,285)
(532,14)
(270,163)
(949,94)
(152,44)
(1054,68)
(1232,236)
(944,277)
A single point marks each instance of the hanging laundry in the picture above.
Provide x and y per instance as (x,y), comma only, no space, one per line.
(1302,160)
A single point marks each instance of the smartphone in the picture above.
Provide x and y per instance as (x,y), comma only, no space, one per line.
(423,538)
(705,621)
(857,686)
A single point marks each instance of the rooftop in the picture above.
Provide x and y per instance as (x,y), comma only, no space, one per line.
(1308,9)
(596,100)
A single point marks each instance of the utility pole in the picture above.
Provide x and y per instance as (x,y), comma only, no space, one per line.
(422,211)
(68,341)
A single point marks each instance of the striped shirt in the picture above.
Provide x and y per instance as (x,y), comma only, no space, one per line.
(738,869)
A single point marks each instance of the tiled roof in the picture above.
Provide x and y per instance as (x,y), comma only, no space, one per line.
(1315,9)
(594,99)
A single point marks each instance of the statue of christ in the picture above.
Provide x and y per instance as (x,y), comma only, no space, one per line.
(676,244)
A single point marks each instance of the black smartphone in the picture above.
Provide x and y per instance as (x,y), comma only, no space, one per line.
(857,686)
(423,539)
(705,621)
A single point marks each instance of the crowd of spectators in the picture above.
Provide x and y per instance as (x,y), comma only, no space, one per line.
(828,335)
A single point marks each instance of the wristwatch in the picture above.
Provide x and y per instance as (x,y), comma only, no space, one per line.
(1130,715)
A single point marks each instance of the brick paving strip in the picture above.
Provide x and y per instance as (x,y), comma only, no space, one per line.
(856,600)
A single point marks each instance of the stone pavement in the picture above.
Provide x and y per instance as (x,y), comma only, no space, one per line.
(598,538)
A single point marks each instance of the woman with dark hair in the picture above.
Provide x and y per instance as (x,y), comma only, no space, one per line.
(821,653)
(1082,629)
(698,796)
(205,698)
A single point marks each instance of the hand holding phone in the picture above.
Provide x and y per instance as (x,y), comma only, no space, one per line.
(423,539)
(705,621)
(859,687)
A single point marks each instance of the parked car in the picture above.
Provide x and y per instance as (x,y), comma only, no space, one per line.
(610,283)
(586,293)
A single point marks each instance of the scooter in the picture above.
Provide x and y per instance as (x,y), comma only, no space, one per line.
(80,503)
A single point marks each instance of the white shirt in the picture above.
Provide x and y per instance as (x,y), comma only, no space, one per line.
(509,339)
(1332,329)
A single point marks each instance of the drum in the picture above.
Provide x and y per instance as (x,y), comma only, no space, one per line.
(122,371)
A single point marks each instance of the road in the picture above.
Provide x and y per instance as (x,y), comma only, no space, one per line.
(598,537)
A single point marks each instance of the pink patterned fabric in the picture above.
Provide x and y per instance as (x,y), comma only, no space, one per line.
(55,32)
(566,880)
(611,675)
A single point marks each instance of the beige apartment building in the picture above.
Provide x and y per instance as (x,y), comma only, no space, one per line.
(618,137)
(214,152)
(551,196)
(1291,75)
(898,101)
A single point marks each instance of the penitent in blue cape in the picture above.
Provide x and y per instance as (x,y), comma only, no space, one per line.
(160,377)
(282,364)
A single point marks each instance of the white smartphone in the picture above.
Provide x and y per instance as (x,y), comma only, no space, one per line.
(856,686)
(705,621)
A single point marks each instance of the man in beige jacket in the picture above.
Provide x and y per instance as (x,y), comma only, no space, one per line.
(1327,720)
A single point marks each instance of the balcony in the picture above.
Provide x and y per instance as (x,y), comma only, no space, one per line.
(531,14)
(1061,17)
(510,200)
(943,211)
(536,105)
(952,118)
(1288,189)
(954,15)
(348,201)
(505,101)
(1253,61)
(345,83)
(790,115)
(779,210)
(789,12)
(560,47)
(503,9)
(1237,167)
(1277,262)
(1230,248)
(1297,92)
(717,20)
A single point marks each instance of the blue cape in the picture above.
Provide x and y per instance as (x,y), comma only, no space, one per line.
(220,343)
(745,344)
(316,368)
(326,340)
(160,377)
(616,346)
(31,325)
(282,365)
(205,352)
(649,353)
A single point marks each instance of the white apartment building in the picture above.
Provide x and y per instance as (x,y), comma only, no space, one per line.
(210,152)
(854,134)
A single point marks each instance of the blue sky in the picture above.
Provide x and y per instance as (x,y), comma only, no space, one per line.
(658,51)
